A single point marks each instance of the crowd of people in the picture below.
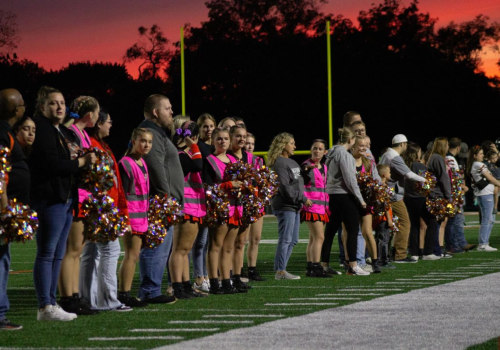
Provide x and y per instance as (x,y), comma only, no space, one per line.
(179,157)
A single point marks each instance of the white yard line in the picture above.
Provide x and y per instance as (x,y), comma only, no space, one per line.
(243,316)
(166,330)
(210,322)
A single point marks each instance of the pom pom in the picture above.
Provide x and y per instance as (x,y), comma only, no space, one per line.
(426,187)
(98,177)
(5,167)
(395,225)
(217,205)
(376,194)
(103,221)
(440,208)
(18,223)
(457,189)
(162,213)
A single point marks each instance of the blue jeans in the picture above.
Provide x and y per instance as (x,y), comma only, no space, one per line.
(486,204)
(199,253)
(454,233)
(152,264)
(360,252)
(54,222)
(4,276)
(288,236)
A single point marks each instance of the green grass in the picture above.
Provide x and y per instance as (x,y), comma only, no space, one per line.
(111,324)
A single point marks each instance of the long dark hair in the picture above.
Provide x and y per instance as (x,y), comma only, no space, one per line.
(94,131)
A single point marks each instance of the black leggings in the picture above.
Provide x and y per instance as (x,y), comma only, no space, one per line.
(416,210)
(343,208)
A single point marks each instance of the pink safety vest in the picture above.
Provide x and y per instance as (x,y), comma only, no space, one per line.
(219,167)
(137,195)
(194,194)
(85,143)
(316,191)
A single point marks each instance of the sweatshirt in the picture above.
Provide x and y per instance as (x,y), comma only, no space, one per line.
(342,173)
(290,195)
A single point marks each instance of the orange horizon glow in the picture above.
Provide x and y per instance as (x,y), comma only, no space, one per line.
(55,34)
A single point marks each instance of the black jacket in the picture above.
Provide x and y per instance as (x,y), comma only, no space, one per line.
(52,170)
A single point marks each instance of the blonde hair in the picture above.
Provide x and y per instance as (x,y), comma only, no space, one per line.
(136,133)
(179,120)
(345,135)
(277,146)
(204,117)
(366,162)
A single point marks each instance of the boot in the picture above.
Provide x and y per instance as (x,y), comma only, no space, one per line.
(214,286)
(239,285)
(309,269)
(179,291)
(227,288)
(254,275)
(318,271)
(188,289)
(376,266)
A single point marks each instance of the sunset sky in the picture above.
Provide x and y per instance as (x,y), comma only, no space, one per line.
(57,32)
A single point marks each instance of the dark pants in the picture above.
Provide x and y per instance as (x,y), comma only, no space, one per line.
(344,209)
(417,209)
(383,238)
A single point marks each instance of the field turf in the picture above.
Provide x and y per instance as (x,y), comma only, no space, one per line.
(158,325)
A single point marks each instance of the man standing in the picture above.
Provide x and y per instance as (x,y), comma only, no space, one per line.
(400,172)
(165,178)
(454,231)
(11,110)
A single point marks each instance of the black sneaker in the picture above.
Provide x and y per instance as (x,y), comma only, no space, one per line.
(161,299)
(125,298)
(6,325)
(188,289)
(331,271)
(318,271)
(240,287)
(254,275)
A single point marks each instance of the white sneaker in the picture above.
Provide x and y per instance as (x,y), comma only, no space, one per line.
(367,268)
(414,257)
(431,257)
(285,275)
(358,271)
(203,287)
(486,248)
(54,313)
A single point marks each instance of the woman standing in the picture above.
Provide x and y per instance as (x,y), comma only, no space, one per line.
(436,164)
(316,216)
(223,235)
(256,227)
(185,139)
(287,202)
(346,203)
(98,280)
(84,112)
(483,184)
(365,165)
(135,178)
(54,195)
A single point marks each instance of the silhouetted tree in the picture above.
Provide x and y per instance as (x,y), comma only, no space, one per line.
(8,31)
(154,52)
(464,42)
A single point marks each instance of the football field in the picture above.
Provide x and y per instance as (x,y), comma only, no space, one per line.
(272,306)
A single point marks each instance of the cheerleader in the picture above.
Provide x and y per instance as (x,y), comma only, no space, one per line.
(135,179)
(238,136)
(83,113)
(287,202)
(223,235)
(255,233)
(365,165)
(315,215)
(186,138)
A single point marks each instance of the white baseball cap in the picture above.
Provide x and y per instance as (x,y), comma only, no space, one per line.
(399,138)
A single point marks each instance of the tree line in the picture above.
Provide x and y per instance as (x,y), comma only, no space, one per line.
(266,62)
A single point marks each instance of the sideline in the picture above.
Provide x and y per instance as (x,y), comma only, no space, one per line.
(450,316)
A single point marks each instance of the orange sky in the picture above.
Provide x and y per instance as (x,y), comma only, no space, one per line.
(57,32)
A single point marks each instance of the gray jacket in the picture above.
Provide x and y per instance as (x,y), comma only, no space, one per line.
(164,166)
(342,173)
(290,195)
